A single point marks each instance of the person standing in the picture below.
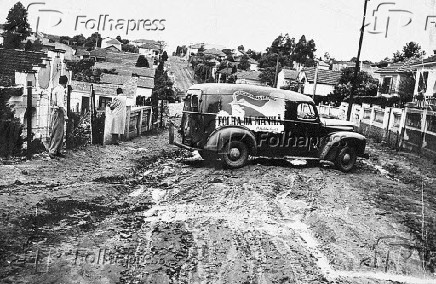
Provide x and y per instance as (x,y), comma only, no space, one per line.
(118,114)
(58,116)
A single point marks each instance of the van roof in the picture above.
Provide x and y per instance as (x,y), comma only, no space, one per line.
(229,89)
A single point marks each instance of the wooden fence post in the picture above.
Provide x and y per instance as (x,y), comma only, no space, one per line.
(141,117)
(127,129)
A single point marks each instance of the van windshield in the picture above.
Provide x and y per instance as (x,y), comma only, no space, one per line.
(192,100)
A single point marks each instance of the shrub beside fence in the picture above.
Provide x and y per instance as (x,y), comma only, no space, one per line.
(402,128)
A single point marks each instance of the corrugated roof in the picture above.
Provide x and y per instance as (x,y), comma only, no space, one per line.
(327,77)
(13,60)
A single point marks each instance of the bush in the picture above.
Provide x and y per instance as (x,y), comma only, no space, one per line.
(380,100)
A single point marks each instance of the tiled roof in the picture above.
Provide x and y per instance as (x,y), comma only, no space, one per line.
(99,52)
(114,79)
(327,77)
(214,51)
(150,45)
(197,45)
(248,75)
(399,67)
(431,59)
(145,41)
(12,60)
(124,58)
(290,74)
(146,83)
(82,52)
(227,71)
(126,70)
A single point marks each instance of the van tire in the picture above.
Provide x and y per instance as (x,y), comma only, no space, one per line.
(346,159)
(236,156)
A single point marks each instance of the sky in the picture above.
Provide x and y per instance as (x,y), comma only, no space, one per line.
(334,25)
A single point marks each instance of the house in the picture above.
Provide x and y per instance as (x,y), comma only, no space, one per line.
(286,78)
(425,83)
(82,53)
(43,70)
(149,48)
(248,77)
(325,82)
(391,76)
(195,48)
(216,53)
(108,42)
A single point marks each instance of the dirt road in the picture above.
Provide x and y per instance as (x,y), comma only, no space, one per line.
(182,71)
(145,212)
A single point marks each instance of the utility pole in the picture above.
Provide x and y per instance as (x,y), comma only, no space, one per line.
(315,79)
(29,120)
(356,69)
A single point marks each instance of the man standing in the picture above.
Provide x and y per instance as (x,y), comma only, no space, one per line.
(58,116)
(118,115)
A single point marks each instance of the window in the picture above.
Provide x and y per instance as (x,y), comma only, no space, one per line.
(386,86)
(305,111)
(103,102)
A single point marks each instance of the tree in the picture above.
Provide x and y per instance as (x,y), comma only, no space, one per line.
(406,88)
(164,56)
(10,127)
(79,40)
(241,48)
(304,52)
(129,48)
(410,50)
(244,64)
(142,62)
(93,41)
(16,28)
(366,85)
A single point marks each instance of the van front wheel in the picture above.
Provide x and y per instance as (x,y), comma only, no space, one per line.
(236,156)
(346,159)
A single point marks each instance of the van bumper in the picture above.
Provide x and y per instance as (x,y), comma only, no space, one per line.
(178,144)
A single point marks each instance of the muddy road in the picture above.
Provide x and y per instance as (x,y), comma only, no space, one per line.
(166,216)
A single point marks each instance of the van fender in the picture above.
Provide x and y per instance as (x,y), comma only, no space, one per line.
(336,140)
(220,137)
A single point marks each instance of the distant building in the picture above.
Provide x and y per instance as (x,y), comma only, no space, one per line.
(286,77)
(248,77)
(391,76)
(326,80)
(107,42)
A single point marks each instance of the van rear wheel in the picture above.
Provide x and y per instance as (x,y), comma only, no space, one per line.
(236,156)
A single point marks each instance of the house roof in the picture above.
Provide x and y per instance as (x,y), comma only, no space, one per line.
(13,60)
(214,51)
(290,74)
(227,71)
(428,60)
(146,83)
(248,75)
(126,70)
(197,45)
(327,77)
(399,67)
(82,52)
(99,53)
(114,79)
(113,41)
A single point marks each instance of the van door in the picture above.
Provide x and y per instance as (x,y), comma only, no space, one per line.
(303,129)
